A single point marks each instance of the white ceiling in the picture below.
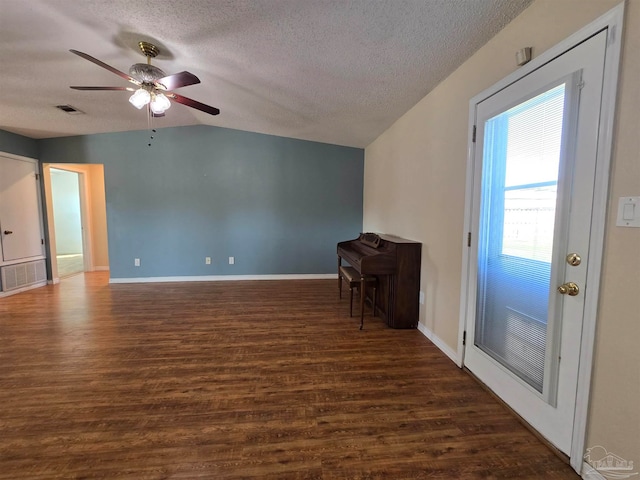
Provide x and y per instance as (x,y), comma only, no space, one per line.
(334,71)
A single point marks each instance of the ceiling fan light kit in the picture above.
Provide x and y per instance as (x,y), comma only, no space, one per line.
(140,98)
(159,103)
(152,83)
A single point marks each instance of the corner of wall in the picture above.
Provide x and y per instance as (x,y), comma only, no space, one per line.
(438,342)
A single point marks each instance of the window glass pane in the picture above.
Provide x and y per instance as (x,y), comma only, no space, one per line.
(529,216)
(533,142)
(518,204)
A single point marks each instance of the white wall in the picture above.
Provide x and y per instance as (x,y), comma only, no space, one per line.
(97,212)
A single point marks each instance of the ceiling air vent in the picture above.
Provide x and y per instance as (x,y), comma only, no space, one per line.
(69,109)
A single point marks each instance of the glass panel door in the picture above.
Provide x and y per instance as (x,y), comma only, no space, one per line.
(532,187)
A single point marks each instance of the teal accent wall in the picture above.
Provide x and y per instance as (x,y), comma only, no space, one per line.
(278,205)
(18,145)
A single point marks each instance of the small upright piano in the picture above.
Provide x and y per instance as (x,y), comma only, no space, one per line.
(396,263)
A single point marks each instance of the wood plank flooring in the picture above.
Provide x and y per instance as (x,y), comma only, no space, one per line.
(232,380)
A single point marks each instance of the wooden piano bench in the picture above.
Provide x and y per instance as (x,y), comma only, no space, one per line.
(355,280)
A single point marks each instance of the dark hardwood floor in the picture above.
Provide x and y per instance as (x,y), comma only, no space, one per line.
(230,380)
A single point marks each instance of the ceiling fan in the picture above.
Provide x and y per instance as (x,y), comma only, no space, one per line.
(153,85)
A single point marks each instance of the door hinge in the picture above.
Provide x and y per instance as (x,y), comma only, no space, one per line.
(473,135)
(37,176)
(464,337)
(468,239)
(42,241)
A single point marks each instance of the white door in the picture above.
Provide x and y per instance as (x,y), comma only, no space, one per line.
(20,213)
(534,174)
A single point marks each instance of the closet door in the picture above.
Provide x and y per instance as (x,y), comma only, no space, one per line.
(20,213)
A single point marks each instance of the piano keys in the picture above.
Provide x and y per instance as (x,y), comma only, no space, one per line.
(396,263)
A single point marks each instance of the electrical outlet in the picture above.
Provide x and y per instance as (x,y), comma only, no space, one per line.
(136,262)
(207,260)
(421,298)
(232,260)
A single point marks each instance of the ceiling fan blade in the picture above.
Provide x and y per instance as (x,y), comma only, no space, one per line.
(105,66)
(105,88)
(194,104)
(177,80)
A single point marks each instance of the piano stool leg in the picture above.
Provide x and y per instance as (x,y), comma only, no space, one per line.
(351,301)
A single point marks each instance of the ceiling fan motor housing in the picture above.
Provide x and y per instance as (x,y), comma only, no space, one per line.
(146,73)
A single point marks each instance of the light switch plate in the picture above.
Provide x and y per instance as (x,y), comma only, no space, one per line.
(628,212)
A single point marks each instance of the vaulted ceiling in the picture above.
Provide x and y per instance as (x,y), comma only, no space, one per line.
(334,71)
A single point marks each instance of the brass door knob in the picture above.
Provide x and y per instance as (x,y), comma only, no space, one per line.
(574,259)
(569,288)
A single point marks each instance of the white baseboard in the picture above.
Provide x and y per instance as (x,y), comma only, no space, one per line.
(438,342)
(55,281)
(590,473)
(22,289)
(225,278)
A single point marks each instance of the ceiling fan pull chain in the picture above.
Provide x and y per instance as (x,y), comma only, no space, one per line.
(149,120)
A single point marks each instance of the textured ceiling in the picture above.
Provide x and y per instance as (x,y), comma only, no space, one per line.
(334,71)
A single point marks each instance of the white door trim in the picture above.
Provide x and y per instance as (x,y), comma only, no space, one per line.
(85,215)
(613,21)
(85,220)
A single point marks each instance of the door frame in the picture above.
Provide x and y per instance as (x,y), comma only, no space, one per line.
(85,218)
(613,21)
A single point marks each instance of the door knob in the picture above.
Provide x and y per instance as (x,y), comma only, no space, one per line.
(574,259)
(8,232)
(569,288)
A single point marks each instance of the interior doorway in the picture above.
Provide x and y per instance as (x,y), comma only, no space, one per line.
(68,221)
(77,218)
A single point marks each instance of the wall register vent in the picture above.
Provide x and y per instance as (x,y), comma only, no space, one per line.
(23,275)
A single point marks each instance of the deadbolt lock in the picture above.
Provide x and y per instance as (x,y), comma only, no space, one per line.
(574,259)
(569,288)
